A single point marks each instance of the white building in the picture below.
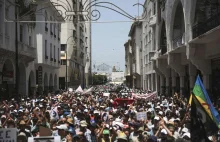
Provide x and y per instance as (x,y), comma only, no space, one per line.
(136,46)
(117,77)
(149,48)
(38,61)
(88,49)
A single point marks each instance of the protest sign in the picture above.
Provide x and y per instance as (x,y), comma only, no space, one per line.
(141,115)
(9,135)
(44,139)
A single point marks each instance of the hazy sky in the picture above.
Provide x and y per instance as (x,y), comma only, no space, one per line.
(108,38)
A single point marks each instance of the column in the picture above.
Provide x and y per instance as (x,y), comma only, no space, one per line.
(152,82)
(206,82)
(182,85)
(162,85)
(192,75)
(174,75)
(167,85)
(156,82)
(148,80)
(192,81)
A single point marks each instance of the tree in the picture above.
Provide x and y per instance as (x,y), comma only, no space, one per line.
(99,79)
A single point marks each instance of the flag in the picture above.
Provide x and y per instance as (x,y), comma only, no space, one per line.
(202,124)
(79,89)
(203,98)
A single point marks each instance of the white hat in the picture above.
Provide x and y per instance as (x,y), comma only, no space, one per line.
(62,127)
(11,106)
(86,110)
(164,131)
(185,130)
(158,107)
(186,134)
(117,120)
(151,127)
(160,112)
(157,118)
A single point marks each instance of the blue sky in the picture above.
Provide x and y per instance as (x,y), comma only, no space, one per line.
(108,38)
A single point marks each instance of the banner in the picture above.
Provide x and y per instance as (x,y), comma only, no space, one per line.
(79,90)
(9,135)
(141,115)
(88,91)
(149,96)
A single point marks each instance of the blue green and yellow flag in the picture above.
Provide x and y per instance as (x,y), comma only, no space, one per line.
(200,93)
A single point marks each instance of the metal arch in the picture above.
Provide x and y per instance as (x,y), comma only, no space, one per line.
(70,12)
(116,9)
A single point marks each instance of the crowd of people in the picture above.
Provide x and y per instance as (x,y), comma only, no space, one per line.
(92,117)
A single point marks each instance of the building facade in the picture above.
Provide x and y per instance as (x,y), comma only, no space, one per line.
(184,39)
(136,49)
(75,48)
(128,64)
(36,68)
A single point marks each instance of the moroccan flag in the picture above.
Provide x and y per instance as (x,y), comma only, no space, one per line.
(201,123)
(203,98)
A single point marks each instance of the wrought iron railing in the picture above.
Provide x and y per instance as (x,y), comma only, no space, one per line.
(179,41)
(206,26)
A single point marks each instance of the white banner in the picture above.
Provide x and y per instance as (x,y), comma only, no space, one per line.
(88,91)
(145,96)
(44,139)
(8,135)
(141,115)
(79,90)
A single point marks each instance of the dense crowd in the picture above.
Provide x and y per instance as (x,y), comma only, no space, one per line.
(92,117)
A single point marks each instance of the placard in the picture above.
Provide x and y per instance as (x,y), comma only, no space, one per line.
(44,139)
(9,135)
(141,115)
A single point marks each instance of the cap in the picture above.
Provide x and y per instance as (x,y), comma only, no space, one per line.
(157,118)
(186,134)
(86,110)
(83,123)
(185,130)
(3,116)
(106,132)
(160,112)
(62,127)
(164,131)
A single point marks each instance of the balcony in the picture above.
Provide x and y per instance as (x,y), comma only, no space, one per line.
(51,59)
(55,36)
(27,51)
(206,26)
(179,41)
(58,38)
(46,57)
(58,62)
(152,20)
(55,60)
(51,33)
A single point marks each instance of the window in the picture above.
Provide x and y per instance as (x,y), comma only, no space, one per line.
(45,48)
(86,40)
(154,9)
(51,25)
(6,25)
(63,47)
(54,28)
(58,54)
(63,62)
(30,41)
(1,17)
(54,52)
(21,33)
(46,19)
(51,51)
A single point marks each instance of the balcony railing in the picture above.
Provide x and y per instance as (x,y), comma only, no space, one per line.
(55,60)
(206,26)
(51,59)
(179,41)
(51,33)
(59,38)
(55,36)
(26,50)
(46,57)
